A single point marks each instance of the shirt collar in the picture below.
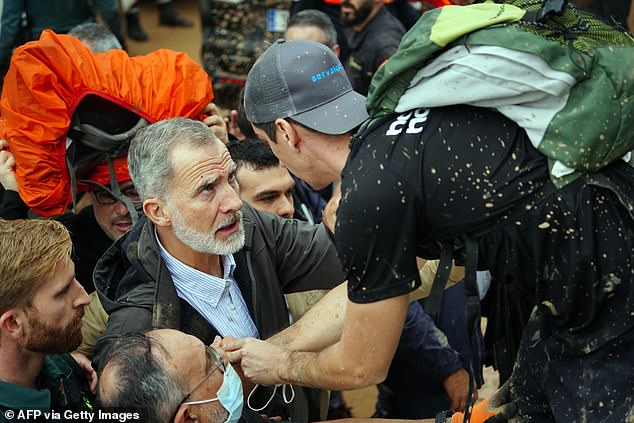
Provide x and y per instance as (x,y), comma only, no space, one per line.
(184,275)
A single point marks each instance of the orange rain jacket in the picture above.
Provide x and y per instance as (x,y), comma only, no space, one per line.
(48,78)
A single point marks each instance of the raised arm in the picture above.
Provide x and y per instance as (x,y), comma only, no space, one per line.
(361,357)
(320,327)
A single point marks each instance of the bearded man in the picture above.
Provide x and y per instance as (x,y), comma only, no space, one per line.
(372,35)
(41,306)
(204,263)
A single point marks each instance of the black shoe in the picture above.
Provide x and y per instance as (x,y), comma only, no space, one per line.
(168,16)
(135,30)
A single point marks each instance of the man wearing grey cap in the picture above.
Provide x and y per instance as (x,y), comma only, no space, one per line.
(299,95)
(308,87)
(467,182)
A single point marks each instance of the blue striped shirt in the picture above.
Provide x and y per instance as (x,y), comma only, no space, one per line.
(218,300)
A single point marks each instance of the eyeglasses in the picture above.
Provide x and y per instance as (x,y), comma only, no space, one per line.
(106,198)
(216,360)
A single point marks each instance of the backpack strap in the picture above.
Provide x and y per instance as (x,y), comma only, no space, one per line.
(472,302)
(97,144)
(72,171)
(432,305)
(116,192)
(549,9)
(473,314)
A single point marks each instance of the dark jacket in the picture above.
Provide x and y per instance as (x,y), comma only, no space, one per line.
(90,242)
(59,15)
(280,256)
(307,202)
(63,387)
(369,48)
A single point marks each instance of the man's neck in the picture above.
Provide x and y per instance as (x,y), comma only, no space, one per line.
(340,153)
(330,152)
(361,25)
(206,263)
(334,156)
(18,367)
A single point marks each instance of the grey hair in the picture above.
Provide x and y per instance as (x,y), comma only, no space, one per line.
(316,18)
(150,154)
(96,37)
(142,382)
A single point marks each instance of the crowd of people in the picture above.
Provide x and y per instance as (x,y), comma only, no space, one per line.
(167,260)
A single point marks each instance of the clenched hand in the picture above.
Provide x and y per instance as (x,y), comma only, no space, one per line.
(261,361)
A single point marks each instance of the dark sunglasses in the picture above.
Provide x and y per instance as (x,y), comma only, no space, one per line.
(106,198)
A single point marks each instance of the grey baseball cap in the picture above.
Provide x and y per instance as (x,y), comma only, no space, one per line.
(305,81)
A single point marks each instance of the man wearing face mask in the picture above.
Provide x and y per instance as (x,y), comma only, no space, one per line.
(167,376)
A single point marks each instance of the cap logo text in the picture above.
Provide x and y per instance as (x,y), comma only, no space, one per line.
(330,71)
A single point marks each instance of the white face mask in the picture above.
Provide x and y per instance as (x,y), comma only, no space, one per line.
(230,395)
(284,396)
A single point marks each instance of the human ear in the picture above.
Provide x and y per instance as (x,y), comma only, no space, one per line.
(184,415)
(336,49)
(156,211)
(290,136)
(11,324)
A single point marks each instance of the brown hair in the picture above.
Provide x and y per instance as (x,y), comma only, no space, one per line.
(29,252)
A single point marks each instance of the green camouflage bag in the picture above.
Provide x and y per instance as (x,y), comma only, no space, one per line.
(566,78)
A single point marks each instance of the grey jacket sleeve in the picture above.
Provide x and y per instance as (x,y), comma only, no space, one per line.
(304,255)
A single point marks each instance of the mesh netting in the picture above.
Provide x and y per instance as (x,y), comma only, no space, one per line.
(575,27)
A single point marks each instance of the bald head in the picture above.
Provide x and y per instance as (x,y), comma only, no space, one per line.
(135,377)
(155,372)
